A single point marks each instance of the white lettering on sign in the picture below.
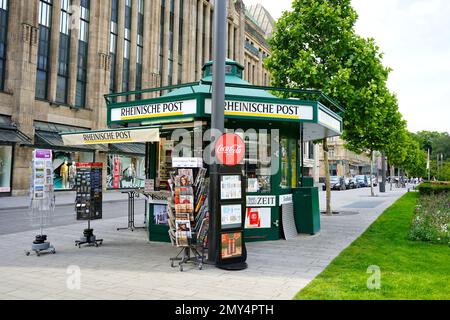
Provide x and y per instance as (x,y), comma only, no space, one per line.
(261,201)
(265,110)
(286,199)
(158,110)
(230,150)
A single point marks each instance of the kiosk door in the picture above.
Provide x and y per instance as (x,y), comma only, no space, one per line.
(264,212)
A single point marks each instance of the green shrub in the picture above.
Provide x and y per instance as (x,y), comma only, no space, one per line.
(429,188)
(432,219)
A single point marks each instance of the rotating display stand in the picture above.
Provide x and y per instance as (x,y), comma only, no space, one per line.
(88,204)
(42,200)
(189,216)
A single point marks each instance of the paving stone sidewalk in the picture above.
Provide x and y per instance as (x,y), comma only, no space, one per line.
(62,199)
(129,267)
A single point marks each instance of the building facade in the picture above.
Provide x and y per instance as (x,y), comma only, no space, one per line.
(59,57)
(344,162)
(257,31)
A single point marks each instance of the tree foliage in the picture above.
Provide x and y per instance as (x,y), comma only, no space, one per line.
(315,46)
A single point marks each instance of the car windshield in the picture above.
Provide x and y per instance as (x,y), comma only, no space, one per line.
(360,177)
(334,178)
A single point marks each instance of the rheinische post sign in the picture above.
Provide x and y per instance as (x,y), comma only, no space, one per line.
(111,136)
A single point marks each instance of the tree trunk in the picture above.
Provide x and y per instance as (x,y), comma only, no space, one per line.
(371,174)
(327,176)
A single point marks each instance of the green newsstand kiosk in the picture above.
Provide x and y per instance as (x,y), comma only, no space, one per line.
(273,129)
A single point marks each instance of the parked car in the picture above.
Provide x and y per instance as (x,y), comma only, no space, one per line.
(336,183)
(350,183)
(361,181)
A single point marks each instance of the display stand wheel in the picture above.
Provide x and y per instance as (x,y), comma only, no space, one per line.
(40,246)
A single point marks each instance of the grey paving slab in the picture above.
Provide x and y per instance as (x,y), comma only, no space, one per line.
(129,267)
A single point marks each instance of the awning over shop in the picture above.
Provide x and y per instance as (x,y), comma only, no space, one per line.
(117,136)
(49,134)
(9,133)
(318,114)
(14,135)
(128,148)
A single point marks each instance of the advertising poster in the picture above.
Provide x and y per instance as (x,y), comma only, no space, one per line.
(231,245)
(231,188)
(116,173)
(161,214)
(231,216)
(258,218)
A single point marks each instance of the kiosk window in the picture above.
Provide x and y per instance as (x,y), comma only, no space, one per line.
(258,162)
(285,183)
(294,149)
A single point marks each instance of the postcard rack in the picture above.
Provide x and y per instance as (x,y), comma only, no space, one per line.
(189,216)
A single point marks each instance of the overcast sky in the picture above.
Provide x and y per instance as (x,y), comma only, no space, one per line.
(414,36)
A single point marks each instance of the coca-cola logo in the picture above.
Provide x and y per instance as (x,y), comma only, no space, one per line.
(230,149)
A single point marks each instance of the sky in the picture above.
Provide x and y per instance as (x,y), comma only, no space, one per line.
(414,36)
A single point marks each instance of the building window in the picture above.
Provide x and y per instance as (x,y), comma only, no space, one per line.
(171,32)
(83,40)
(125,172)
(140,48)
(45,20)
(3,40)
(126,49)
(196,41)
(161,39)
(64,53)
(180,42)
(6,155)
(204,35)
(113,43)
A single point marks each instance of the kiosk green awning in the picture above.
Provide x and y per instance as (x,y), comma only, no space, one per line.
(243,101)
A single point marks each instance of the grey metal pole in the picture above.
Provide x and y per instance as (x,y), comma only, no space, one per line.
(217,121)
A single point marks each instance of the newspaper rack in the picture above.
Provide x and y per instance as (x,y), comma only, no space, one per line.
(189,216)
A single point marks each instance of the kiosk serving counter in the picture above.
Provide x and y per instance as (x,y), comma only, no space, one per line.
(274,131)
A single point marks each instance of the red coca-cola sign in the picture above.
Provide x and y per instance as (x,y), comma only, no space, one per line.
(230,149)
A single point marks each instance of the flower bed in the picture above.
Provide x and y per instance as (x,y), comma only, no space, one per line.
(432,219)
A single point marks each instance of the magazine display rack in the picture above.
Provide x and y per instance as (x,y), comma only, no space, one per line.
(189,216)
(42,200)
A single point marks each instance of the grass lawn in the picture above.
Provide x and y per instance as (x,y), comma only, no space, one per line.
(409,270)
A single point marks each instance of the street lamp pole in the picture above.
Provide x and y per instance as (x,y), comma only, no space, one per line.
(217,122)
